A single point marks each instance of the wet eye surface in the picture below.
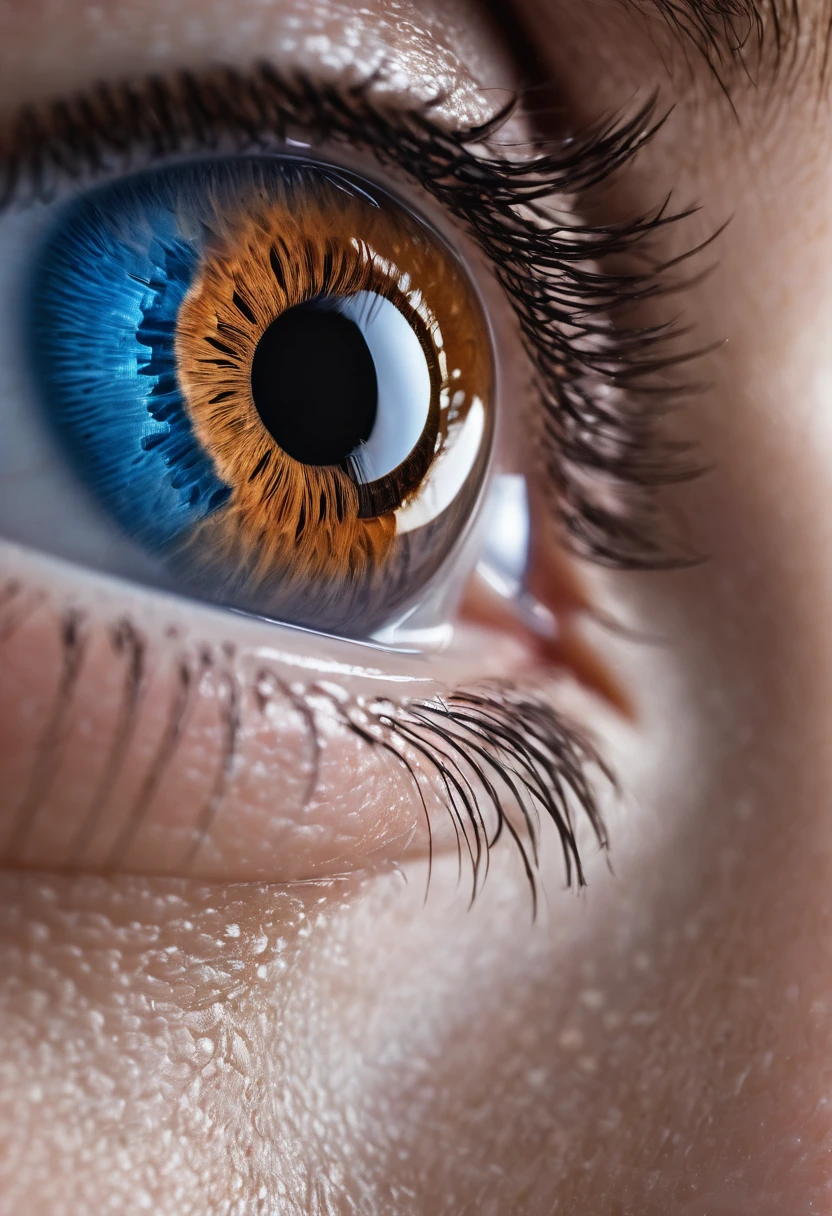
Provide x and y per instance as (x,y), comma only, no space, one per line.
(273,377)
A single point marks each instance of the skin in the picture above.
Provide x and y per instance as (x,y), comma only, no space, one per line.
(660,1044)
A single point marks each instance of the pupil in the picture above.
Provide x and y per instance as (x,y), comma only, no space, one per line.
(314,384)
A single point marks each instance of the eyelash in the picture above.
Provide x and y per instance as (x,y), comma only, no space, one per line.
(480,743)
(595,376)
(492,737)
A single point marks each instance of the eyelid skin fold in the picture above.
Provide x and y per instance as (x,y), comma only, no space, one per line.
(134,737)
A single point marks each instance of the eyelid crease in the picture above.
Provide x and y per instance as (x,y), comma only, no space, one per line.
(596,373)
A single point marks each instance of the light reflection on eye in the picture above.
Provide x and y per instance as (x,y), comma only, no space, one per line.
(274,378)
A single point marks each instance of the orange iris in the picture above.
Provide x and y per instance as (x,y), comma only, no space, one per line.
(293,530)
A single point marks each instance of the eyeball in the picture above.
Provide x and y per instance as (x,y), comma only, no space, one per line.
(274,377)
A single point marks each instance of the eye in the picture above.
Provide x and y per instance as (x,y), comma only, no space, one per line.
(272,376)
(267,381)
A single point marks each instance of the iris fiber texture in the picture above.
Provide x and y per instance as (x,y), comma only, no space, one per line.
(104,309)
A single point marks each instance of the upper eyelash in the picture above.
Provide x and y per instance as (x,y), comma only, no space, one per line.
(597,375)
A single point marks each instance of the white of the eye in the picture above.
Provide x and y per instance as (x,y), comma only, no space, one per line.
(506,535)
(447,475)
(403,378)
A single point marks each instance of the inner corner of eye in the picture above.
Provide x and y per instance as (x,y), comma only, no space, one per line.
(276,379)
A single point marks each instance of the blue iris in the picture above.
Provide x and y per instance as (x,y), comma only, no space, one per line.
(105,297)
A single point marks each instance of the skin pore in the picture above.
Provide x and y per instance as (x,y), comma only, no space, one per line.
(659,1044)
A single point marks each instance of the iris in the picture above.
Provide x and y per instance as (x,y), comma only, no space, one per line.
(273,376)
(104,318)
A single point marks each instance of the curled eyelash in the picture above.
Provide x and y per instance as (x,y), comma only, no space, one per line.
(502,759)
(604,381)
(493,748)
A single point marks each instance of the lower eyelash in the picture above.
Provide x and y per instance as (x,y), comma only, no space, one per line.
(492,747)
(494,750)
(73,647)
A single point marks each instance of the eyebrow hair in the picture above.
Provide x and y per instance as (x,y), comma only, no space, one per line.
(756,40)
(720,29)
(722,26)
(751,43)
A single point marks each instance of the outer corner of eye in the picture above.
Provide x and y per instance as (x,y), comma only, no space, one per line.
(270,386)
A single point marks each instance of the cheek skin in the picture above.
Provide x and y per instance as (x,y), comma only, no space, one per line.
(734,699)
(146,1048)
(229,1033)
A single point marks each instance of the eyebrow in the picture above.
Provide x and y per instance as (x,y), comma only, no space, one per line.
(752,39)
(720,28)
(750,42)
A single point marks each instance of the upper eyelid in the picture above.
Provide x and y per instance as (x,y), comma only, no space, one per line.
(50,148)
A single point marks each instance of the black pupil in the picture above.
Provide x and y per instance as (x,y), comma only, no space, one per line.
(314,384)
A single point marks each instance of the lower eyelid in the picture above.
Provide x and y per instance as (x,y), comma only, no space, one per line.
(123,748)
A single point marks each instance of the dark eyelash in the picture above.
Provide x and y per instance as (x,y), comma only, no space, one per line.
(495,750)
(485,743)
(599,376)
